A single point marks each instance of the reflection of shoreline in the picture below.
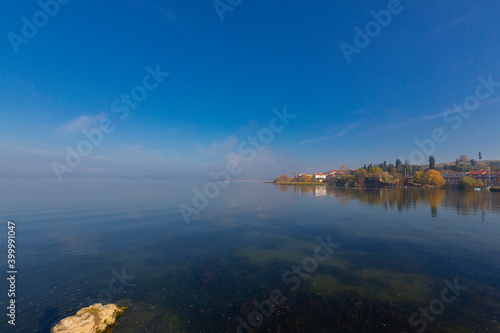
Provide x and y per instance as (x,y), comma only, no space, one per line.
(317,191)
(320,191)
(463,202)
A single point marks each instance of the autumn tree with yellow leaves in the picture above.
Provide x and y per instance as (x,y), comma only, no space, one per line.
(431,178)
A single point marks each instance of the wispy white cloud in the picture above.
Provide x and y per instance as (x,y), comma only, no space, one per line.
(347,130)
(45,152)
(166,14)
(217,148)
(452,24)
(412,121)
(451,19)
(489,104)
(135,147)
(81,123)
(365,111)
(322,138)
(340,134)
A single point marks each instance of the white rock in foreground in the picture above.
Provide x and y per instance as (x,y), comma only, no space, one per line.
(93,319)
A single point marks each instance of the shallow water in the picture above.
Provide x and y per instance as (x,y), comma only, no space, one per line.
(396,249)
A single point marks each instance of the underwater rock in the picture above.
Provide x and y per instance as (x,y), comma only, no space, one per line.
(93,319)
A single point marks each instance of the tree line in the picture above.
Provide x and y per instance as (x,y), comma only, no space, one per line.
(385,175)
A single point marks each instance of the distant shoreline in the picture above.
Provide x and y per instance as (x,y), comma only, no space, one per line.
(492,189)
(251,180)
(301,184)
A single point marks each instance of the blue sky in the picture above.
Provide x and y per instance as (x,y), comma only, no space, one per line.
(226,77)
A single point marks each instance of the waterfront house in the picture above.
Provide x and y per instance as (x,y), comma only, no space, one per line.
(320,176)
(452,178)
(336,173)
(484,176)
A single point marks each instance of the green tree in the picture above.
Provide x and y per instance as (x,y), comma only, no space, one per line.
(432,163)
(396,174)
(361,177)
(418,177)
(408,169)
(399,165)
(470,183)
(376,171)
(346,181)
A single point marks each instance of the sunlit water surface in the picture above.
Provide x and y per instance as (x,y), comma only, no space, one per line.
(125,241)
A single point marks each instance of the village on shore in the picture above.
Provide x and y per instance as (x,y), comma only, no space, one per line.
(463,173)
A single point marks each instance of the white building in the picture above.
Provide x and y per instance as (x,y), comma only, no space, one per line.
(321,176)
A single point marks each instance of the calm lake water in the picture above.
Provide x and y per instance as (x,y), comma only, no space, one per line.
(124,241)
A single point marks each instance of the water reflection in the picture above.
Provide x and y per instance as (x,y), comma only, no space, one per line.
(463,202)
(200,277)
(317,191)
